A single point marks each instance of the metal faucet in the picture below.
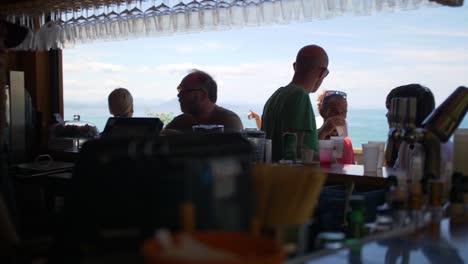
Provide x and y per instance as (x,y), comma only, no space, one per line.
(396,132)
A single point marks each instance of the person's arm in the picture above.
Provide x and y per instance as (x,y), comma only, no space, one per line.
(232,123)
(348,152)
(329,125)
(183,122)
(255,116)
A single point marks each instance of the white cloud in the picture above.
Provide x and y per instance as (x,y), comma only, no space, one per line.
(90,64)
(442,32)
(432,55)
(415,54)
(184,48)
(91,90)
(203,47)
(369,87)
(215,69)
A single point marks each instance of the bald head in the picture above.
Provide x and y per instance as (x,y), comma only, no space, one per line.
(311,67)
(311,54)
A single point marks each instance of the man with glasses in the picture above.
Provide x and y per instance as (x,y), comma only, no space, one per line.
(289,108)
(197,94)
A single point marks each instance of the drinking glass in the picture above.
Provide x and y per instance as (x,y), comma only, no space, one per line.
(164,18)
(237,13)
(125,22)
(208,14)
(101,29)
(194,16)
(326,152)
(179,18)
(252,17)
(138,19)
(150,20)
(338,144)
(223,20)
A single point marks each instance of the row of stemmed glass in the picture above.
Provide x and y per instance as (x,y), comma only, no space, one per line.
(114,21)
(108,22)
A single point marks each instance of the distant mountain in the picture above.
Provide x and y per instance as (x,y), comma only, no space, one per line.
(172,106)
(87,109)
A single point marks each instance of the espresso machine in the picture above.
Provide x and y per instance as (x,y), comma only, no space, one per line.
(418,149)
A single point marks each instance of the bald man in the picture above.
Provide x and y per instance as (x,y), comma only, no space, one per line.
(197,94)
(289,108)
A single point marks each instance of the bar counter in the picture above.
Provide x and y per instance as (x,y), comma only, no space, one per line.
(346,174)
(443,243)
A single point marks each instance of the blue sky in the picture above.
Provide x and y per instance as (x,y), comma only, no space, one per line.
(369,55)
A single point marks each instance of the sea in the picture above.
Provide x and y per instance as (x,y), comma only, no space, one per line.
(363,124)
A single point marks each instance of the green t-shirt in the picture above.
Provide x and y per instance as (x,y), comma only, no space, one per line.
(289,108)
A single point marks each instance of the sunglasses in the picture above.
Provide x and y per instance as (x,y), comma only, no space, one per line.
(181,90)
(326,71)
(332,93)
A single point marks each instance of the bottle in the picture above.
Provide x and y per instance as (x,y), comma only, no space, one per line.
(356,217)
(289,146)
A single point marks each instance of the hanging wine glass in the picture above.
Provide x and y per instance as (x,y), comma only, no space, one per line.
(125,21)
(90,25)
(112,22)
(101,29)
(164,18)
(223,20)
(251,13)
(179,18)
(237,13)
(194,16)
(80,31)
(150,19)
(208,14)
(138,19)
(268,12)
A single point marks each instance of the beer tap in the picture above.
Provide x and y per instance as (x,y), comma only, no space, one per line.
(411,134)
(414,152)
(396,132)
(422,157)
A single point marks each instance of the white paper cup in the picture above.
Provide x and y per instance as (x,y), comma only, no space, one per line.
(381,145)
(370,156)
(342,130)
(307,156)
(338,143)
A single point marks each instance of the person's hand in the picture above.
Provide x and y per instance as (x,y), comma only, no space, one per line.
(253,115)
(257,118)
(329,126)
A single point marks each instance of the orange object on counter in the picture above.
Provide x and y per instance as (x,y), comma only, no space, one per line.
(242,248)
(187,214)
